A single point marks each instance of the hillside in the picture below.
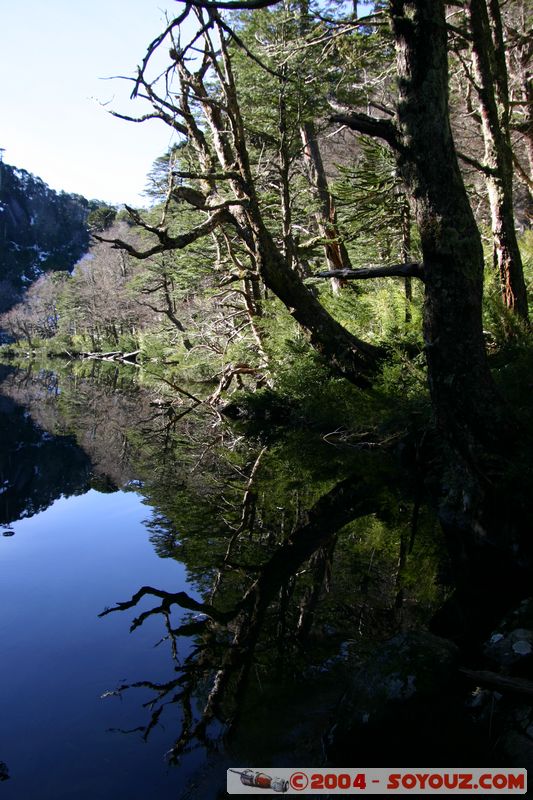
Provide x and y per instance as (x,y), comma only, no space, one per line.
(40,230)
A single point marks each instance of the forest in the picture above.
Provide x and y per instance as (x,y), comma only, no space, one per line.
(337,244)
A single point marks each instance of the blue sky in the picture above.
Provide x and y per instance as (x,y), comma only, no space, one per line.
(53,56)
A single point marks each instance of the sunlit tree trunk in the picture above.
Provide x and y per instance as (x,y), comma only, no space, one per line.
(326,214)
(406,257)
(490,72)
(335,251)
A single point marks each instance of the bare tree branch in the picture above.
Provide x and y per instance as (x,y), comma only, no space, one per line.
(522,174)
(233,4)
(209,176)
(473,162)
(155,44)
(181,599)
(248,52)
(371,126)
(463,34)
(167,242)
(410,270)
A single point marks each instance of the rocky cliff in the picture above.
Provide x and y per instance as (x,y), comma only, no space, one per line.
(40,230)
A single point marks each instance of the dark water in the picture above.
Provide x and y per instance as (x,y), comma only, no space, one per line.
(278,561)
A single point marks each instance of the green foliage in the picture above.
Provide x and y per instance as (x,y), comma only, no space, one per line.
(101,217)
(377,310)
(505,330)
(525,243)
(192,313)
(500,323)
(403,380)
(305,392)
(373,201)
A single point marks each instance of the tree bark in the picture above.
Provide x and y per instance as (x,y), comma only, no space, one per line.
(326,215)
(490,70)
(335,252)
(467,406)
(406,257)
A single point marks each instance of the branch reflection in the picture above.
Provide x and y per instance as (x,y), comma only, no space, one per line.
(262,611)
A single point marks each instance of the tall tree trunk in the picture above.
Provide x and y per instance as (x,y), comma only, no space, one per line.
(516,57)
(335,251)
(170,310)
(490,70)
(326,214)
(487,539)
(466,403)
(405,256)
(284,166)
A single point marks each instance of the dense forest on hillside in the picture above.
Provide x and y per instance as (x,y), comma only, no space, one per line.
(339,242)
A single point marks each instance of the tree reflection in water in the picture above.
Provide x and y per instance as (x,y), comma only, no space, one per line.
(297,549)
(266,615)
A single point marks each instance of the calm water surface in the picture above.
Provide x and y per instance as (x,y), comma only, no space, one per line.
(106,488)
(61,568)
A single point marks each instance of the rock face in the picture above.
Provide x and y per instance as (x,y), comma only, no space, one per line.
(401,704)
(415,664)
(509,650)
(40,230)
(408,703)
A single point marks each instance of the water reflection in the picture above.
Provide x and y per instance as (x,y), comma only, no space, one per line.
(35,467)
(282,602)
(298,555)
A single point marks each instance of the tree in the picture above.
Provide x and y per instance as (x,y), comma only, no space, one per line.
(101,217)
(38,315)
(467,405)
(517,19)
(464,396)
(488,75)
(375,209)
(206,110)
(157,288)
(101,304)
(18,323)
(335,251)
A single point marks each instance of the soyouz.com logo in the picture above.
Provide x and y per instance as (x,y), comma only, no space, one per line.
(283,780)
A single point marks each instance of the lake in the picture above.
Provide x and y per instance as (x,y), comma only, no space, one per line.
(272,562)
